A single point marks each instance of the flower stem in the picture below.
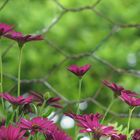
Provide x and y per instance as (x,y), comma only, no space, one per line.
(36,109)
(109,107)
(1,80)
(96,136)
(129,119)
(91,135)
(79,95)
(42,108)
(19,70)
(17,113)
(36,136)
(78,110)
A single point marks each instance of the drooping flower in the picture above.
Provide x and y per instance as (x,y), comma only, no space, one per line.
(37,97)
(16,100)
(11,133)
(119,137)
(22,39)
(117,89)
(130,100)
(57,135)
(37,124)
(53,101)
(79,71)
(114,87)
(90,123)
(136,135)
(4,29)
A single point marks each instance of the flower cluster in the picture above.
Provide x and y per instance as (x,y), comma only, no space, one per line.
(11,133)
(34,126)
(28,119)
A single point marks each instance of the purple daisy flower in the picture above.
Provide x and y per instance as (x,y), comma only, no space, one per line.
(37,124)
(16,100)
(136,135)
(90,123)
(4,29)
(130,100)
(57,135)
(119,137)
(118,89)
(11,133)
(22,39)
(79,71)
(114,87)
(53,101)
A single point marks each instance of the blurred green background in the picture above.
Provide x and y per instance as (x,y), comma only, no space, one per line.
(75,33)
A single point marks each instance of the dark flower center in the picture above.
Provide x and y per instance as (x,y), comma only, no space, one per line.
(35,127)
(1,31)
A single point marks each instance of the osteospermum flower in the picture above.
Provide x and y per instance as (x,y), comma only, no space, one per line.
(16,100)
(58,135)
(79,71)
(22,39)
(4,29)
(117,89)
(53,101)
(37,97)
(90,123)
(119,137)
(37,124)
(11,133)
(136,135)
(130,100)
(84,117)
(114,87)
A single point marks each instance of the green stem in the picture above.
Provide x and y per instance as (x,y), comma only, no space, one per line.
(91,135)
(19,70)
(129,120)
(42,108)
(30,137)
(108,109)
(17,113)
(36,109)
(36,136)
(78,110)
(79,95)
(1,80)
(19,117)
